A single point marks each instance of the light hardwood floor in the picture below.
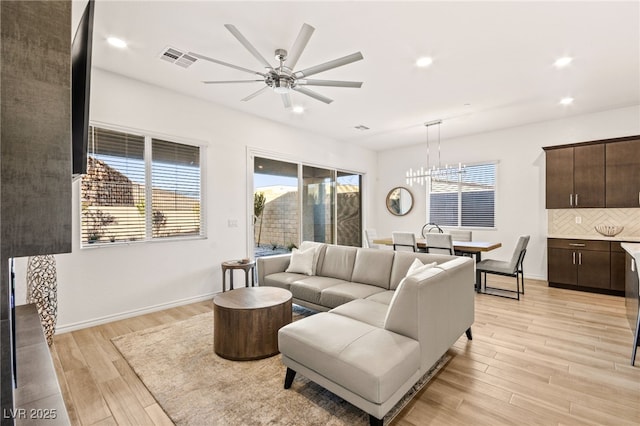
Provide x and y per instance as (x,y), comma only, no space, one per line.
(556,357)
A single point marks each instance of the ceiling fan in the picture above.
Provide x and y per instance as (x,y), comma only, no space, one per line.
(282,78)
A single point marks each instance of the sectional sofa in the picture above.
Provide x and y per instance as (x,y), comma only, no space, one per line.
(386,322)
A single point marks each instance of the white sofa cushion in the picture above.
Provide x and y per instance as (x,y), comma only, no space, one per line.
(403,260)
(364,310)
(310,288)
(369,361)
(373,267)
(417,267)
(338,262)
(302,261)
(403,316)
(281,279)
(383,297)
(316,255)
(342,293)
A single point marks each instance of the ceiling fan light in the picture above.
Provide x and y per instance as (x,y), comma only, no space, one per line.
(117,42)
(563,62)
(281,85)
(566,101)
(424,62)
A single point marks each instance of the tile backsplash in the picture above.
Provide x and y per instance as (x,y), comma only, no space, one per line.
(563,221)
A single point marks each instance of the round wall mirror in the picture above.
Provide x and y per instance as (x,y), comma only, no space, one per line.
(399,201)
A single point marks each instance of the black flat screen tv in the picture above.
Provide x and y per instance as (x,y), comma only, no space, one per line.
(80,90)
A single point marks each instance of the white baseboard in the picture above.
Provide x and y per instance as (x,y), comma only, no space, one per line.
(66,328)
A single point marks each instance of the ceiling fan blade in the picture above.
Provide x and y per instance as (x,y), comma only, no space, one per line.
(215,61)
(286,100)
(237,34)
(232,81)
(254,94)
(330,83)
(329,65)
(313,94)
(298,46)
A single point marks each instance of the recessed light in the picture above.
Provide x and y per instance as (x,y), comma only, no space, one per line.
(424,62)
(563,62)
(566,101)
(298,109)
(117,42)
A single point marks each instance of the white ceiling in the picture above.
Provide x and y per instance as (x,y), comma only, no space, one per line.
(493,61)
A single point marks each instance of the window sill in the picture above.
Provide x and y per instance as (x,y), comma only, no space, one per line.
(93,246)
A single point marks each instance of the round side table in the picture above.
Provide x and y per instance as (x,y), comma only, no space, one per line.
(231,265)
(246,322)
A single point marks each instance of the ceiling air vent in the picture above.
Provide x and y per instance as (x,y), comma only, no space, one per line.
(178,57)
(361,127)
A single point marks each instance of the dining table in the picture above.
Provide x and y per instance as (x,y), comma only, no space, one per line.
(474,248)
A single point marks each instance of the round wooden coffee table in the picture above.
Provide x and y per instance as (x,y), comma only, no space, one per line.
(246,322)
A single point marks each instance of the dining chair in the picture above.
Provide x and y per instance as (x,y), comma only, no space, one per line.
(439,243)
(460,234)
(511,268)
(370,235)
(404,241)
(430,228)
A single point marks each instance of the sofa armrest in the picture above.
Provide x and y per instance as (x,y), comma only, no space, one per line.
(271,264)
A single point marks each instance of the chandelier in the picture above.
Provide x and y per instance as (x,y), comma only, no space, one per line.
(433,172)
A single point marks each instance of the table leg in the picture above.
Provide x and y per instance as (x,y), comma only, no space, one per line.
(224,279)
(253,277)
(231,279)
(478,256)
(246,278)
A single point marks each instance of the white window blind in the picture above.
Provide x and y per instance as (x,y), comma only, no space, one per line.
(466,199)
(114,191)
(175,175)
(113,188)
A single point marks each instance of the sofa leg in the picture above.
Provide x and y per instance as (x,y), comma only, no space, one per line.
(374,421)
(288,378)
(468,332)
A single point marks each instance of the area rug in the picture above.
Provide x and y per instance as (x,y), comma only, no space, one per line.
(194,386)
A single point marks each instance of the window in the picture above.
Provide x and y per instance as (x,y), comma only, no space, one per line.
(116,188)
(466,199)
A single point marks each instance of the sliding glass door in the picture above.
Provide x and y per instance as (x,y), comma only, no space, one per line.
(275,206)
(294,202)
(349,209)
(318,201)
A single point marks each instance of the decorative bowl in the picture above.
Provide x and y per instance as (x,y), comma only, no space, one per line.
(609,230)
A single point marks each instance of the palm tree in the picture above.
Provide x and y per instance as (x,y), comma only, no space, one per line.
(259,201)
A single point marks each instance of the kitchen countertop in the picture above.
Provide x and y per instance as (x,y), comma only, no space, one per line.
(597,237)
(632,248)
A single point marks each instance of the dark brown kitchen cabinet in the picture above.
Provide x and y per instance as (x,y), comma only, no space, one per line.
(580,264)
(575,176)
(623,173)
(559,174)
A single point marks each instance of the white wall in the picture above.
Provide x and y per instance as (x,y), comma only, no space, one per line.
(520,204)
(102,283)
